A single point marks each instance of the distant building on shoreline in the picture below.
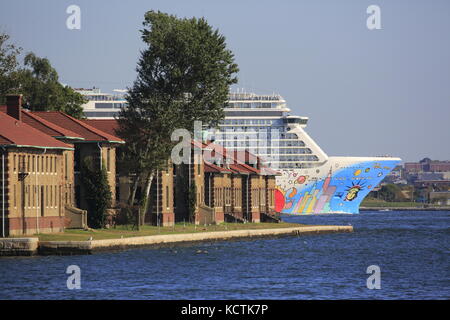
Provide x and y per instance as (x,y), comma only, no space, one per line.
(427,165)
(429,178)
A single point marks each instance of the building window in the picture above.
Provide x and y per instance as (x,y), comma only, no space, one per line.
(167,197)
(216,197)
(108,160)
(28,196)
(14,163)
(227,196)
(58,203)
(20,164)
(42,200)
(65,165)
(33,197)
(15,197)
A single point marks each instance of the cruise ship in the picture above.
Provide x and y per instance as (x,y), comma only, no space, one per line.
(309,181)
(101,105)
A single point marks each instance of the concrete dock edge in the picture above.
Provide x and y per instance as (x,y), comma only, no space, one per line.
(18,246)
(89,247)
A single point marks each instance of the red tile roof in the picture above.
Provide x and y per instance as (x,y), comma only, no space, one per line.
(45,126)
(18,133)
(211,167)
(48,127)
(106,125)
(88,132)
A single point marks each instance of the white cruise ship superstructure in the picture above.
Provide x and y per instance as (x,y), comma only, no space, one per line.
(262,124)
(102,105)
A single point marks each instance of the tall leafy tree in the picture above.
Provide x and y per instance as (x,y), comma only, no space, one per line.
(8,65)
(37,80)
(43,91)
(183,75)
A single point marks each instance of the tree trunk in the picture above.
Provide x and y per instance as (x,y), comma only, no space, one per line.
(148,185)
(134,187)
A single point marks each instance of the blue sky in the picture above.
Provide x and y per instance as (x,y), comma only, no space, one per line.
(367,92)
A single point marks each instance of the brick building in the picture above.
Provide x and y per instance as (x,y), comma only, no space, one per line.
(35,176)
(86,140)
(427,165)
(81,141)
(239,187)
(229,186)
(90,142)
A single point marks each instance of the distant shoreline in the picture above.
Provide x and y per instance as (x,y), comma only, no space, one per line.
(393,208)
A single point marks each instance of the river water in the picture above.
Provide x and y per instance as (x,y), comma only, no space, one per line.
(412,250)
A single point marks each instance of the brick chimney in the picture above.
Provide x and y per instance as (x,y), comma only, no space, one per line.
(14,106)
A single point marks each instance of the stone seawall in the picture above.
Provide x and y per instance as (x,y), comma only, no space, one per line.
(18,246)
(89,247)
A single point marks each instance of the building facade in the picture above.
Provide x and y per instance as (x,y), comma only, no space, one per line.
(227,186)
(35,176)
(89,143)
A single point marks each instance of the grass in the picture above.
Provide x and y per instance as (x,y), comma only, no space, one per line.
(125,232)
(368,203)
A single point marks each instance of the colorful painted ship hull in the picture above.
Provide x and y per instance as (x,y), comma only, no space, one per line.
(339,186)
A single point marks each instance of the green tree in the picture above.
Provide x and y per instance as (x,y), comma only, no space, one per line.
(184,75)
(390,192)
(8,66)
(43,91)
(97,192)
(37,80)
